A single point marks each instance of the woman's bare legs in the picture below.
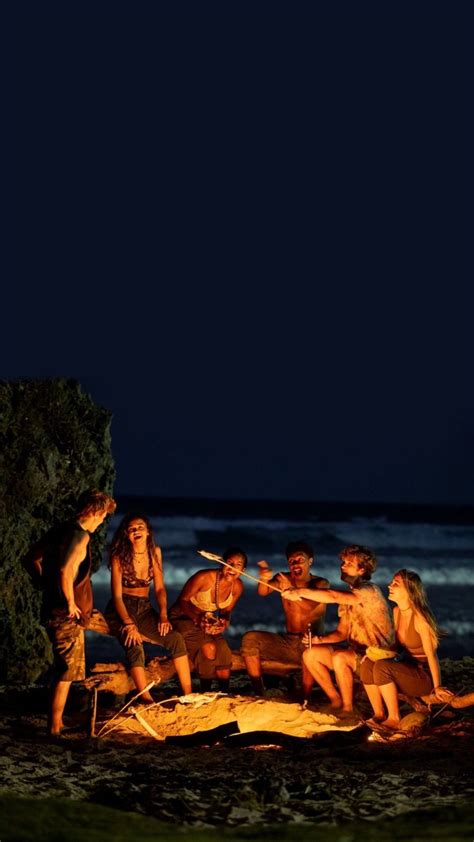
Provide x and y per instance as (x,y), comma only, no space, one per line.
(184,673)
(139,679)
(375,699)
(390,696)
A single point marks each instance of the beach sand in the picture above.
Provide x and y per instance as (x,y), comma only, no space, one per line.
(333,779)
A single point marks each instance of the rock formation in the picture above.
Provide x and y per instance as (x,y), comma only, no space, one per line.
(54,444)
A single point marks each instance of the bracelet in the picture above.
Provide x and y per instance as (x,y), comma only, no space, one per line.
(130,623)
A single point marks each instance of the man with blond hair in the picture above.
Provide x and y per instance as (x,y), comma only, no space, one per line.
(62,562)
(364,620)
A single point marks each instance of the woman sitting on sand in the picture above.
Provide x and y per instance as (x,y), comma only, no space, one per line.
(135,561)
(415,671)
(206,592)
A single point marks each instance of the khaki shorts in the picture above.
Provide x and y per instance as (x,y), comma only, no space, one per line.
(67,639)
(287,648)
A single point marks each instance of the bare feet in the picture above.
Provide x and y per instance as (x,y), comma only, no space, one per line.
(391,724)
(374,722)
(146,698)
(386,726)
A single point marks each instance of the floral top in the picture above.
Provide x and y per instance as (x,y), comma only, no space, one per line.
(370,621)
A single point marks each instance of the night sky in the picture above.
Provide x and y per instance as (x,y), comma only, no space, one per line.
(243,228)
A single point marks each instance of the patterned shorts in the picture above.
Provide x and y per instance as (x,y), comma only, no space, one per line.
(67,639)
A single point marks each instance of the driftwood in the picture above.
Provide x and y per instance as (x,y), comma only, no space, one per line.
(115,679)
(421,704)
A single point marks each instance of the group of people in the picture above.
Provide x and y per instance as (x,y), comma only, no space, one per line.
(193,630)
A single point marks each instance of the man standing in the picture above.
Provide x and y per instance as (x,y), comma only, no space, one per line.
(288,647)
(63,562)
(364,620)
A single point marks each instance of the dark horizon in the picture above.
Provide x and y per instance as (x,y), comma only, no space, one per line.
(293,509)
(254,259)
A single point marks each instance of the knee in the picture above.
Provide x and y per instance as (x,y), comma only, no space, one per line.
(339,661)
(311,657)
(209,650)
(250,643)
(223,653)
(174,641)
(135,656)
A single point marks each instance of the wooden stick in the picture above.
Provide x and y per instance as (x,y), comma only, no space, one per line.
(93,711)
(146,725)
(212,557)
(448,704)
(145,690)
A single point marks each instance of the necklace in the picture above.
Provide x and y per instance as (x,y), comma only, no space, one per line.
(217,589)
(405,609)
(135,553)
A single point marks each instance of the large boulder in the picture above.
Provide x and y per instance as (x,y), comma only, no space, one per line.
(54,444)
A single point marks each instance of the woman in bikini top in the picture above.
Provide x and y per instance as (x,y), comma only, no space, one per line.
(212,591)
(136,562)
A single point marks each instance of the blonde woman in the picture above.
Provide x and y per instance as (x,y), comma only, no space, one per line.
(416,670)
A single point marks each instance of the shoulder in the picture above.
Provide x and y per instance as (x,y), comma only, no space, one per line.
(367,590)
(318,582)
(79,537)
(116,562)
(158,558)
(419,621)
(238,587)
(202,577)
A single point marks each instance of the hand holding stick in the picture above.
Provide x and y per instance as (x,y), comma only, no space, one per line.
(212,557)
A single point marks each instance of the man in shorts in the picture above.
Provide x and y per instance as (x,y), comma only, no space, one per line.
(63,562)
(289,647)
(364,620)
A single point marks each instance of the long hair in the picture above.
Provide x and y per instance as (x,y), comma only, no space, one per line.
(419,600)
(121,546)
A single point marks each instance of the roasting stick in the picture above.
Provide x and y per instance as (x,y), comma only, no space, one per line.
(104,726)
(455,696)
(212,557)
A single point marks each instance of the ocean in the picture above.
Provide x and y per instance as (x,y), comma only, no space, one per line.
(438,543)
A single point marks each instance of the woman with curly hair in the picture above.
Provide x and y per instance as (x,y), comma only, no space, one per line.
(135,561)
(416,670)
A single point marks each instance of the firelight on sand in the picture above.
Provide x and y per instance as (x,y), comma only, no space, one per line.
(180,716)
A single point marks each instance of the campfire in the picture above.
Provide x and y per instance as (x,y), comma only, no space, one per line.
(201,714)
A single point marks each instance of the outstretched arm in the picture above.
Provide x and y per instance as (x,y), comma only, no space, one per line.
(328,596)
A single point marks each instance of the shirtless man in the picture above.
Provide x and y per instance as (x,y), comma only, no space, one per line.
(364,620)
(62,562)
(299,615)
